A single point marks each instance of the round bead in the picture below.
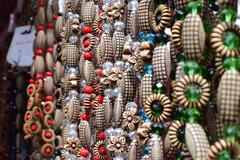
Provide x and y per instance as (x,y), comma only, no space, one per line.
(84,153)
(100,72)
(86,29)
(31,81)
(50,49)
(33,127)
(41,4)
(231,63)
(88,56)
(40,28)
(47,108)
(86,43)
(48,150)
(191,68)
(39,52)
(49,122)
(49,98)
(48,134)
(192,93)
(101,136)
(100,99)
(88,90)
(91,103)
(39,76)
(55,17)
(85,116)
(50,25)
(102,150)
(100,26)
(49,73)
(231,40)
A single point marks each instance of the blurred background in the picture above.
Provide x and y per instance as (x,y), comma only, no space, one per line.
(13,81)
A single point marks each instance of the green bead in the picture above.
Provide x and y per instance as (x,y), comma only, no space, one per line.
(156,108)
(192,115)
(211,1)
(180,57)
(180,157)
(180,14)
(231,63)
(194,7)
(231,132)
(157,129)
(158,88)
(224,155)
(35,6)
(159,1)
(192,93)
(191,68)
(161,38)
(231,40)
(228,15)
(178,114)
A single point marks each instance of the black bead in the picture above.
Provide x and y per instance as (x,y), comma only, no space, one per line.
(58,132)
(57,153)
(59,106)
(59,48)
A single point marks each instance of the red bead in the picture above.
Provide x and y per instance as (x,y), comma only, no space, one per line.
(39,28)
(48,150)
(84,152)
(38,52)
(87,55)
(86,29)
(49,73)
(100,99)
(101,136)
(39,76)
(88,90)
(47,108)
(55,17)
(100,72)
(100,26)
(39,100)
(96,158)
(49,98)
(41,4)
(28,116)
(50,50)
(31,81)
(86,43)
(49,122)
(37,113)
(50,25)
(91,103)
(30,90)
(102,150)
(100,14)
(85,117)
(33,127)
(48,134)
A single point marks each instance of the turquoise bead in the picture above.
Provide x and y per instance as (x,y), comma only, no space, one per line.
(148,69)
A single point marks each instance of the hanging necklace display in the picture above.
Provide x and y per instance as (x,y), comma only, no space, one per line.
(138,80)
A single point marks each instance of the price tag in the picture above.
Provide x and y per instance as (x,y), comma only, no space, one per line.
(20,52)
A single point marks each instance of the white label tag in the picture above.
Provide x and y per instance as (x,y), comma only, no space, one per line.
(20,52)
